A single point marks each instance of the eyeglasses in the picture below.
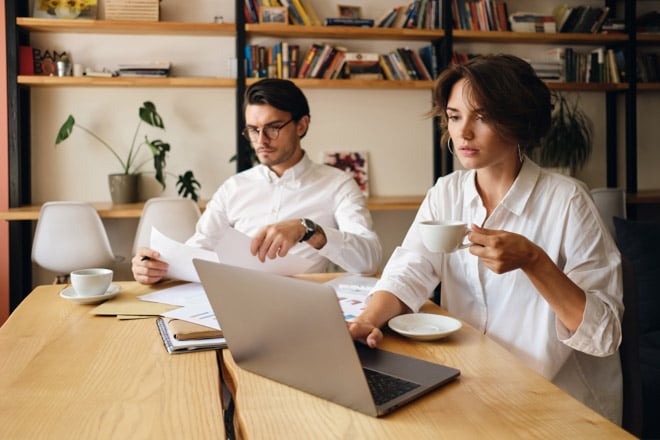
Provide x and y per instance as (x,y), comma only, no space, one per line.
(270,131)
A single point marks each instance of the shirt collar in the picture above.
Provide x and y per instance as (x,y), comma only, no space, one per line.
(519,193)
(291,176)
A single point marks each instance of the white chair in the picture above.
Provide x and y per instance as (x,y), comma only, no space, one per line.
(611,202)
(175,217)
(70,236)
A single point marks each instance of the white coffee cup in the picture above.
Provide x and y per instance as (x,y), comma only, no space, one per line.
(443,235)
(91,282)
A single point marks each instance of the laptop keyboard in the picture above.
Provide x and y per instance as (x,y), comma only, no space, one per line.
(385,388)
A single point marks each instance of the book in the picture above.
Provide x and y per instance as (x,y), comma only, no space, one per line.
(352,162)
(176,346)
(362,65)
(349,21)
(309,59)
(25,60)
(301,12)
(311,13)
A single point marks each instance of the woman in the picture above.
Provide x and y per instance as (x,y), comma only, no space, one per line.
(543,275)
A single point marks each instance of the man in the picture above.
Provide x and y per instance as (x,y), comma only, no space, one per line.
(287,202)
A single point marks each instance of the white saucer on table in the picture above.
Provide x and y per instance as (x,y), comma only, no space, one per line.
(424,326)
(70,294)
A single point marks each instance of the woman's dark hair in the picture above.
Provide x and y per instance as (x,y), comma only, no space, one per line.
(506,90)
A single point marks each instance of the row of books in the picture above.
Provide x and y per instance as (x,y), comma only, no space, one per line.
(580,19)
(648,67)
(328,61)
(566,64)
(300,12)
(479,15)
(419,14)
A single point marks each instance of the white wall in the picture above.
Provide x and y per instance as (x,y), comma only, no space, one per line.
(388,124)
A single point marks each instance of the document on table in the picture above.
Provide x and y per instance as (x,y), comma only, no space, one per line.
(352,291)
(195,304)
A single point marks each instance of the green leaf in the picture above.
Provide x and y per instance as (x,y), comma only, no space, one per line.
(149,115)
(159,150)
(187,185)
(65,129)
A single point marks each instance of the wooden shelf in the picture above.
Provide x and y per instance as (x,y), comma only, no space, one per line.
(342,32)
(643,197)
(497,37)
(393,203)
(312,83)
(648,86)
(134,210)
(125,27)
(648,37)
(122,81)
(587,87)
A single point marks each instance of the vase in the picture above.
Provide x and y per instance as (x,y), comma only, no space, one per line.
(67,12)
(123,188)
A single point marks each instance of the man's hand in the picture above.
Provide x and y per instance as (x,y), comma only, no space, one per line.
(277,239)
(147,268)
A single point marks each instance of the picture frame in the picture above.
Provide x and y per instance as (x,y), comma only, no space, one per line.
(349,11)
(352,162)
(65,9)
(271,14)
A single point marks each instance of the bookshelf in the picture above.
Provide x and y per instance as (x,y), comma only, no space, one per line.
(20,26)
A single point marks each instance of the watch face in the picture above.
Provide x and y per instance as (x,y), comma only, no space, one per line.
(309,224)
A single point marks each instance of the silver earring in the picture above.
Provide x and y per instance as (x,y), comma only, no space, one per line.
(520,154)
(450,146)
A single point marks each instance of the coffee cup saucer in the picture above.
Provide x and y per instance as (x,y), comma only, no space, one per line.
(70,294)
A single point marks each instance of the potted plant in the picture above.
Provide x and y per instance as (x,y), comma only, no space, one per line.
(187,185)
(568,143)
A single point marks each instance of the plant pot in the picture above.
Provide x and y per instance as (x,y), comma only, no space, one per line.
(123,188)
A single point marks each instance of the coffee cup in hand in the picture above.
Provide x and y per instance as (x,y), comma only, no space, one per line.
(91,282)
(443,235)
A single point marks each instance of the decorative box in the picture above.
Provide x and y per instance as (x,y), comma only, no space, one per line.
(132,10)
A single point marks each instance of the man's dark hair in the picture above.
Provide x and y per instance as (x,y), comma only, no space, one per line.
(280,93)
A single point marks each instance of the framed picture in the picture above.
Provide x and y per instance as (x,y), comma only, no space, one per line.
(65,9)
(273,15)
(352,162)
(347,11)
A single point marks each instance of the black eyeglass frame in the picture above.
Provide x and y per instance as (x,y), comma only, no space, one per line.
(265,129)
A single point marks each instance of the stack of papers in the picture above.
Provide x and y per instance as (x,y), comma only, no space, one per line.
(159,69)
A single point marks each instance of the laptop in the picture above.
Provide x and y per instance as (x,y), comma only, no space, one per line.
(293,331)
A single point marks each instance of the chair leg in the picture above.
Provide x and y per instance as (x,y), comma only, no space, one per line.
(61,279)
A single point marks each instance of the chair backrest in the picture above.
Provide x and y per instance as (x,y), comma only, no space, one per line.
(611,202)
(70,236)
(175,217)
(629,352)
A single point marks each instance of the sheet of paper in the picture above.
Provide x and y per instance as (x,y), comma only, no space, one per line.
(179,256)
(352,291)
(130,305)
(201,314)
(234,249)
(181,295)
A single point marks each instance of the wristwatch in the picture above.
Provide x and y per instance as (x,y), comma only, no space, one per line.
(310,228)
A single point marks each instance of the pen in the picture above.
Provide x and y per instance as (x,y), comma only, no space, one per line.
(144,258)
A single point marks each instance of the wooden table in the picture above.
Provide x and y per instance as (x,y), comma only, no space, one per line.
(496,397)
(65,373)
